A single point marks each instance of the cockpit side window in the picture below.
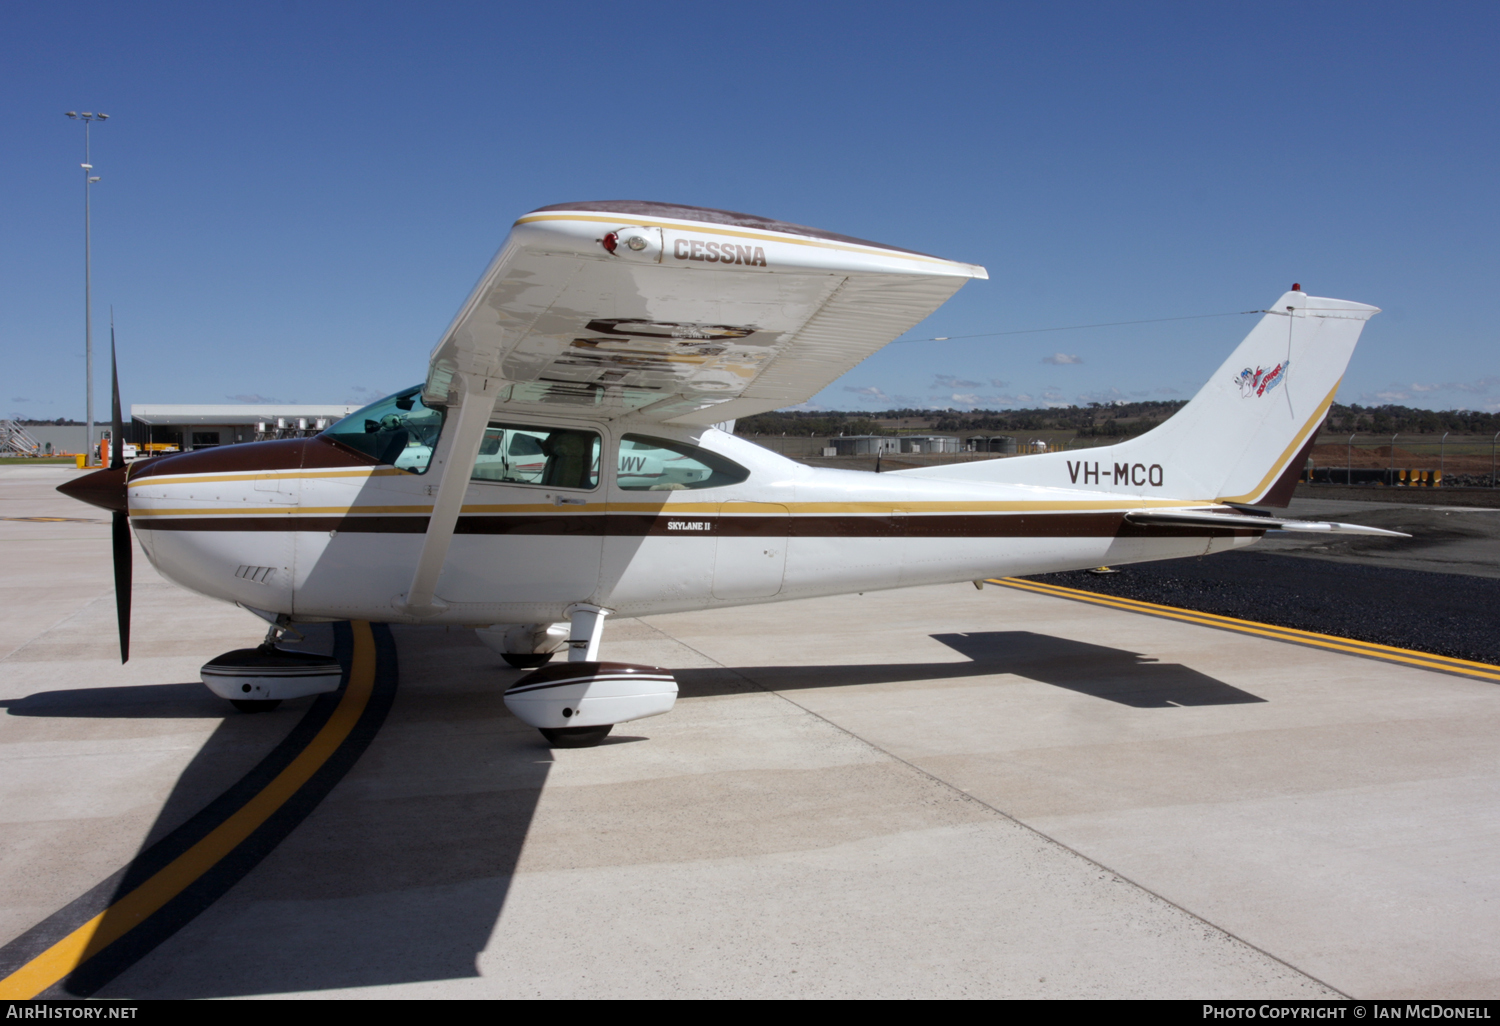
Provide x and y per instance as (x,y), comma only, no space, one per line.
(550,457)
(398,430)
(650,464)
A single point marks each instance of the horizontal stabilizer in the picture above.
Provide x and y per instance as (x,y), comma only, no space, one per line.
(1203,518)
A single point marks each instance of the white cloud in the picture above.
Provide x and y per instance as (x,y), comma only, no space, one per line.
(949,381)
(997,383)
(1061,358)
(1479,386)
(874,394)
(1166,391)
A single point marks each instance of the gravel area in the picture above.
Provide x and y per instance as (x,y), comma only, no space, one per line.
(1446,614)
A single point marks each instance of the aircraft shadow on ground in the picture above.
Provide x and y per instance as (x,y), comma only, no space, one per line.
(401,873)
(1113,674)
(398,875)
(139,701)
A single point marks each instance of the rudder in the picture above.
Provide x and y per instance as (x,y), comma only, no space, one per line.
(1238,439)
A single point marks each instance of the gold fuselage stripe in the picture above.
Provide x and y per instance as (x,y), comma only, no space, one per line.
(266,475)
(694,508)
(1287,454)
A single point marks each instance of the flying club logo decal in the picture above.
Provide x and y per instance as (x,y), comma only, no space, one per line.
(1258,382)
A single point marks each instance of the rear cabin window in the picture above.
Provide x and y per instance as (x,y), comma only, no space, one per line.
(661,465)
(548,457)
(399,430)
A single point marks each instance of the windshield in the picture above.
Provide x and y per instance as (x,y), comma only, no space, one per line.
(398,430)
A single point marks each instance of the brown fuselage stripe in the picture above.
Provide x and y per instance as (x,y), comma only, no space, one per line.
(957,525)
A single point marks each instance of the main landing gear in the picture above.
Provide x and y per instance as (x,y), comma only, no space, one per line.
(577,703)
(256,680)
(525,645)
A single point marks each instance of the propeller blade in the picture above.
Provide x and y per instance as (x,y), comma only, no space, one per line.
(124,553)
(116,424)
(120,520)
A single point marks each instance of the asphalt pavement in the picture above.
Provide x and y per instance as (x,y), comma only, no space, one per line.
(1437,591)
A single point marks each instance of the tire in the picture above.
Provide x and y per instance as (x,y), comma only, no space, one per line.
(576,737)
(529,661)
(255,705)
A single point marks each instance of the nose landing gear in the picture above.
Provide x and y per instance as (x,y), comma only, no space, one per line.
(256,680)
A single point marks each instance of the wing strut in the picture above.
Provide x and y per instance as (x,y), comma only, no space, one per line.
(453,463)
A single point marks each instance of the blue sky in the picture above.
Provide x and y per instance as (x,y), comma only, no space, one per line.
(296,197)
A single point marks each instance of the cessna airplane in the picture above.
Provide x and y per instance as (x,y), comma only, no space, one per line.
(569,457)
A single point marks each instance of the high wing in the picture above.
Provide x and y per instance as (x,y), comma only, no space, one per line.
(687,315)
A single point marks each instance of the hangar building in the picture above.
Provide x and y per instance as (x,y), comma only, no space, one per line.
(192,426)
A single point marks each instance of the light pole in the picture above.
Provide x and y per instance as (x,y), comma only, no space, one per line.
(87,117)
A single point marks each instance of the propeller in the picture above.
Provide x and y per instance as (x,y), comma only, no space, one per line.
(124,550)
(106,489)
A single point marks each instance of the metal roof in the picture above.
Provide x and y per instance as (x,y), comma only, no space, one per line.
(232,413)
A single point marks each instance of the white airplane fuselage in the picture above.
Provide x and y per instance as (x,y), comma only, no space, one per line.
(307,529)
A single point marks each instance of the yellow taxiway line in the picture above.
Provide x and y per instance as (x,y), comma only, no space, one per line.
(54,964)
(1388,653)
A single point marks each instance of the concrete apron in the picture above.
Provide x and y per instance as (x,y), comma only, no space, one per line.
(894,817)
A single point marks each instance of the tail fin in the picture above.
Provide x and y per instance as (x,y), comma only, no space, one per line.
(1242,438)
